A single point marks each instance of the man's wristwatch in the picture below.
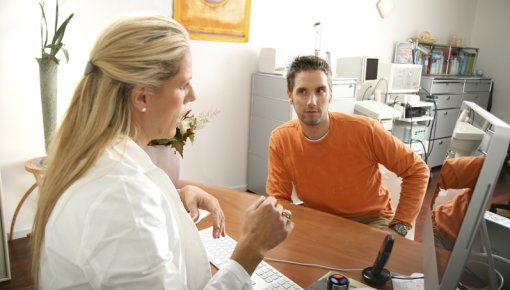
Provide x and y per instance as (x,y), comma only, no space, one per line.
(401,229)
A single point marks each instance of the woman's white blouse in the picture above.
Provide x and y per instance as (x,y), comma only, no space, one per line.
(123,226)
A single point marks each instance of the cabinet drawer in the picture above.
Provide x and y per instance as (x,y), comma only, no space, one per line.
(437,155)
(272,109)
(444,124)
(270,86)
(343,91)
(258,140)
(481,99)
(445,87)
(477,86)
(257,174)
(446,101)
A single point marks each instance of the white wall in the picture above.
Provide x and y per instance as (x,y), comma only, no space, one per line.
(222,70)
(491,34)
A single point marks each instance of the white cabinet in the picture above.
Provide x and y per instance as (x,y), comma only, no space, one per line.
(448,93)
(270,108)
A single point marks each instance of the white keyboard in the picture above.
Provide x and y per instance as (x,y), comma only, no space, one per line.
(264,277)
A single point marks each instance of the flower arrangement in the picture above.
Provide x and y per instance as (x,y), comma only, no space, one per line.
(56,43)
(186,129)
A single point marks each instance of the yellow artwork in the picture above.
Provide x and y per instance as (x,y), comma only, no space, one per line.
(223,20)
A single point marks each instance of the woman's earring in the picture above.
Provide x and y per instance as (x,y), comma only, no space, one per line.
(144,110)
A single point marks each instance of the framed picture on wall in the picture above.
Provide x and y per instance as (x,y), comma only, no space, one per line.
(221,20)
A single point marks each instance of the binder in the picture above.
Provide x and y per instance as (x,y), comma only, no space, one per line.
(468,61)
(403,53)
(464,60)
(436,62)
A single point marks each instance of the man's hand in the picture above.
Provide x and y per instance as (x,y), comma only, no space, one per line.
(194,198)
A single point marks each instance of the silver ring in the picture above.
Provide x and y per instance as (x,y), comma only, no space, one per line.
(287,213)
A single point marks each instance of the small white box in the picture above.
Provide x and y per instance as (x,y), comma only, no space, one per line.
(267,60)
(272,61)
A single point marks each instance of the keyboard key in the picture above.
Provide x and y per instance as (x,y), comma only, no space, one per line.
(265,275)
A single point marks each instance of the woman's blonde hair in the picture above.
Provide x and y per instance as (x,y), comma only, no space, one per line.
(141,50)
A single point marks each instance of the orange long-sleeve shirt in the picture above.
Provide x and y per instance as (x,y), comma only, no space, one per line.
(340,174)
(456,173)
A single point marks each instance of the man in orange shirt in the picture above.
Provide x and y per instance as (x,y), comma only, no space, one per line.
(331,160)
(456,173)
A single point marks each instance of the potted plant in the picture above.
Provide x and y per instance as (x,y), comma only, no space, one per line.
(163,152)
(48,63)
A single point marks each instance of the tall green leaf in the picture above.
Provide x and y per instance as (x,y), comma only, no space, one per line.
(57,41)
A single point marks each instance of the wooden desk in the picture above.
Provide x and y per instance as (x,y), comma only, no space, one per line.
(320,238)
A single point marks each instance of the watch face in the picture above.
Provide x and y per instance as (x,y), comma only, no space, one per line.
(401,229)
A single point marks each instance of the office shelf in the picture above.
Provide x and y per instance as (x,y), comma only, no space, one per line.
(438,59)
(447,60)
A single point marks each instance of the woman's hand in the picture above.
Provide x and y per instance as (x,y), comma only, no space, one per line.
(194,197)
(264,228)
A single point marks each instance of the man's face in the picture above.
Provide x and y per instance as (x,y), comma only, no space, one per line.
(311,97)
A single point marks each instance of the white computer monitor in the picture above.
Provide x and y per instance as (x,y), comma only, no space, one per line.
(401,78)
(444,269)
(362,68)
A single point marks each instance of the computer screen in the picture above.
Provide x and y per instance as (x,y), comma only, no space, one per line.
(472,165)
(361,68)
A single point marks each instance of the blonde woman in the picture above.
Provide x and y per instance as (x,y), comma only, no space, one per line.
(108,218)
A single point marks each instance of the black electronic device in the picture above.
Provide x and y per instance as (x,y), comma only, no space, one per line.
(338,282)
(377,274)
(413,112)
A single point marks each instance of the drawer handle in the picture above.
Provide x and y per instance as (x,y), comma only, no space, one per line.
(446,113)
(440,142)
(448,98)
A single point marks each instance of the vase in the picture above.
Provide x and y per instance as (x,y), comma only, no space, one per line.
(48,84)
(166,158)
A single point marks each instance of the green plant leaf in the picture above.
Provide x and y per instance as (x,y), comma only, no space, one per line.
(189,124)
(66,54)
(179,147)
(57,41)
(59,35)
(44,27)
(164,142)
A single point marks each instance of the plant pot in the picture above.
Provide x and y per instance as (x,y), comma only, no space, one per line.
(166,158)
(48,83)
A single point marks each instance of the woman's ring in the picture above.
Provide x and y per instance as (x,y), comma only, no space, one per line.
(287,213)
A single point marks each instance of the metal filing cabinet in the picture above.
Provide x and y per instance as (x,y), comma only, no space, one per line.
(478,91)
(270,108)
(448,94)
